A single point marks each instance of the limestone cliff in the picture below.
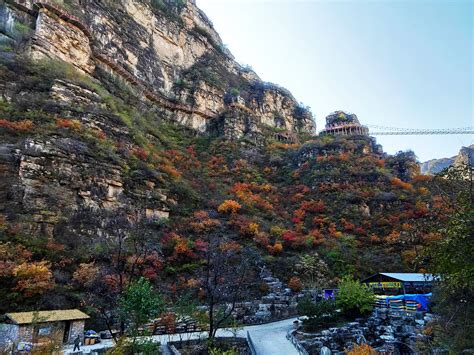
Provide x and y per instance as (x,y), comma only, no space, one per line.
(167,50)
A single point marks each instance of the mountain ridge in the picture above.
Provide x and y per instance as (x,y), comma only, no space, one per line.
(434,166)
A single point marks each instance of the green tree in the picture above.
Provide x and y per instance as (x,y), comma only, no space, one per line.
(313,270)
(318,313)
(137,306)
(354,298)
(234,92)
(452,259)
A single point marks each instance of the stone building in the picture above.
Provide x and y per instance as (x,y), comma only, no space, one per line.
(41,328)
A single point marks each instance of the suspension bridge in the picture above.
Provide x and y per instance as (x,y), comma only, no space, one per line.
(395,131)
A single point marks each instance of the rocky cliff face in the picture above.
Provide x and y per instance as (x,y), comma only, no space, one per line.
(47,179)
(128,133)
(169,52)
(465,156)
(434,166)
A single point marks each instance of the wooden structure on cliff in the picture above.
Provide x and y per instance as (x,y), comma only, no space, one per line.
(341,123)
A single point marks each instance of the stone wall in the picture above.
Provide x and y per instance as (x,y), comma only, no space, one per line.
(8,336)
(26,333)
(384,331)
(77,329)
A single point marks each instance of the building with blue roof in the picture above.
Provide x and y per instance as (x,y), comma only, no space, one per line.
(399,283)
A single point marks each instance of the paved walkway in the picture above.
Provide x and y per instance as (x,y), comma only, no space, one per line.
(271,338)
(267,338)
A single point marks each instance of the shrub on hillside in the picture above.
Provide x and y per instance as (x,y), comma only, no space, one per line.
(229,206)
(67,123)
(362,349)
(295,284)
(354,298)
(319,313)
(20,126)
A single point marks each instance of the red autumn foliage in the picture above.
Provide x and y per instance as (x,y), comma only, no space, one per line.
(20,126)
(113,281)
(182,249)
(229,206)
(12,255)
(275,249)
(150,273)
(68,123)
(289,237)
(298,216)
(401,184)
(201,245)
(251,194)
(319,220)
(348,227)
(295,284)
(100,134)
(202,222)
(86,274)
(140,153)
(170,170)
(422,178)
(191,151)
(313,206)
(33,278)
(380,163)
(262,239)
(169,321)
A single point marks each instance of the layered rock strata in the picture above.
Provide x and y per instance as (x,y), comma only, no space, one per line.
(152,48)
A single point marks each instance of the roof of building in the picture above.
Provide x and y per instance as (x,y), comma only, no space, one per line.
(46,316)
(406,276)
(402,276)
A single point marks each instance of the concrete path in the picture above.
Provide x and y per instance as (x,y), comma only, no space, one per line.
(267,338)
(271,338)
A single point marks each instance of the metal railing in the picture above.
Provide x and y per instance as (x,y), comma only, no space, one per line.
(251,344)
(301,350)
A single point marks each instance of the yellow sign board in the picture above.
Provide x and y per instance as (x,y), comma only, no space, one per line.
(385,284)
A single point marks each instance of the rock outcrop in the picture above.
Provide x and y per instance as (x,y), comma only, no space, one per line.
(384,331)
(279,302)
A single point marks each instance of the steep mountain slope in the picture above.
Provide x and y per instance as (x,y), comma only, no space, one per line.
(168,51)
(106,176)
(435,166)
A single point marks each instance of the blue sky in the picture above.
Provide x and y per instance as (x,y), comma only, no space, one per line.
(393,63)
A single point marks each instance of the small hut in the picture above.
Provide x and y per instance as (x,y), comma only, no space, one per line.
(42,327)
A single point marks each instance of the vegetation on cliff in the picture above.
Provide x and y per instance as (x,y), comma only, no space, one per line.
(341,200)
(106,200)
